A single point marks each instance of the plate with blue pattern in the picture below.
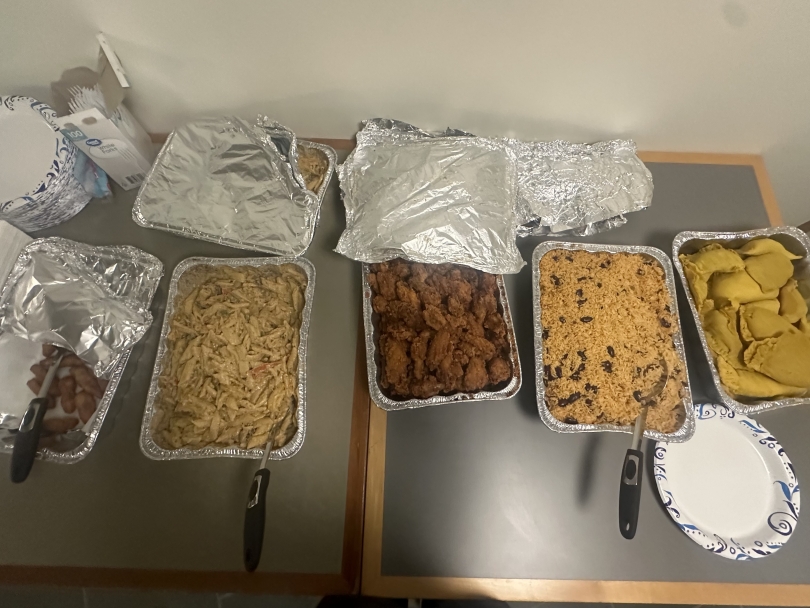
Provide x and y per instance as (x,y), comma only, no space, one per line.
(33,151)
(731,488)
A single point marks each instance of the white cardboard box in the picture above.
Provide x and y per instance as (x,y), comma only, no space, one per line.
(125,152)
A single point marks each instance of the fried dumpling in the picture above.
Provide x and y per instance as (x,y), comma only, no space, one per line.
(772,305)
(721,334)
(745,383)
(716,258)
(735,288)
(792,304)
(698,284)
(770,270)
(763,246)
(759,323)
(786,359)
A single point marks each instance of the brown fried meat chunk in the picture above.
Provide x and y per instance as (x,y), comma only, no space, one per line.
(440,329)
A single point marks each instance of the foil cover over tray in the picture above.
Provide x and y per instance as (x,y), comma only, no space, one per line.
(230,182)
(429,198)
(91,300)
(688,427)
(130,274)
(796,242)
(373,366)
(152,449)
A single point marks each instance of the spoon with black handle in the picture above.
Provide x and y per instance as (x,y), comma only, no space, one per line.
(26,440)
(633,466)
(255,513)
(256,505)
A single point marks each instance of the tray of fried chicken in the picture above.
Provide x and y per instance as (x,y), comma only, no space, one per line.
(437,333)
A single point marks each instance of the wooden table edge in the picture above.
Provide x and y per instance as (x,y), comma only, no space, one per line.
(374,583)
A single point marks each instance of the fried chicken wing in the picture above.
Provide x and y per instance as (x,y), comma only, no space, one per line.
(395,366)
(407,313)
(426,388)
(387,284)
(476,376)
(483,303)
(476,346)
(419,348)
(406,294)
(434,317)
(499,370)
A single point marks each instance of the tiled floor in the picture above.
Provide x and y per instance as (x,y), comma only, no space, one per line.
(51,597)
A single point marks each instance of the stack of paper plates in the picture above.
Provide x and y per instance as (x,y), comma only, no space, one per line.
(37,185)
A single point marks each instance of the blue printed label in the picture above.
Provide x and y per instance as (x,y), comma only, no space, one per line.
(93,142)
(73,134)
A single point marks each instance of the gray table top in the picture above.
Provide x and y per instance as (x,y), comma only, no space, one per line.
(486,490)
(118,509)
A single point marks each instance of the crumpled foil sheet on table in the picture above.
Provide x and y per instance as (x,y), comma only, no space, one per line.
(429,198)
(578,189)
(231,182)
(91,300)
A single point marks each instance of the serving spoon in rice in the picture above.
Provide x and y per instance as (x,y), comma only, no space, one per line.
(633,466)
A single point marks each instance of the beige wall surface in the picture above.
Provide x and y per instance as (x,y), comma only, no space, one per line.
(689,75)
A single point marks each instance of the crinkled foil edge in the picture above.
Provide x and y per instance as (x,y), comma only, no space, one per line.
(688,427)
(372,357)
(81,451)
(684,238)
(147,443)
(138,217)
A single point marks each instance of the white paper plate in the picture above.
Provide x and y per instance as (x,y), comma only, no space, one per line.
(731,488)
(32,150)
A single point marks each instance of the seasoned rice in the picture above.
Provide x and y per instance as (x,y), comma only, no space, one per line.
(607,319)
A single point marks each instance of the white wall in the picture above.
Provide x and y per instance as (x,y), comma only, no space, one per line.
(695,75)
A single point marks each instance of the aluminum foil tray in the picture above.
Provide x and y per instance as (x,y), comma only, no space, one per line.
(794,241)
(136,277)
(148,445)
(688,428)
(138,217)
(371,320)
(83,438)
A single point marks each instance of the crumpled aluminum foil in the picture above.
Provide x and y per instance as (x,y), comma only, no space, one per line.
(429,198)
(578,189)
(91,300)
(688,427)
(795,241)
(231,182)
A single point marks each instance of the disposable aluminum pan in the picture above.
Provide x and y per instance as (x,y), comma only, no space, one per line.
(140,219)
(133,275)
(688,427)
(373,366)
(83,438)
(796,242)
(152,449)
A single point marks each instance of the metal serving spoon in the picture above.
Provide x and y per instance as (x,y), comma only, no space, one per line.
(633,466)
(256,505)
(26,439)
